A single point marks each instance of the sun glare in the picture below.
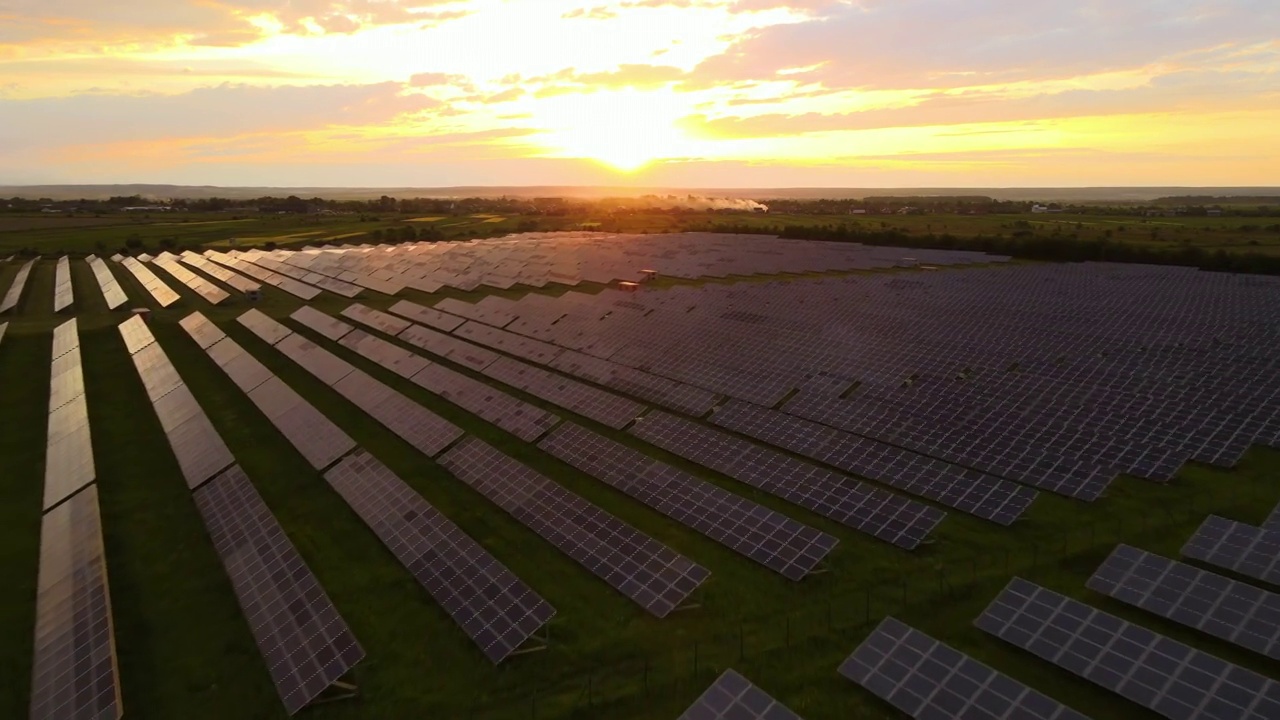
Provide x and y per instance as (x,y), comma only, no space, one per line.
(624,129)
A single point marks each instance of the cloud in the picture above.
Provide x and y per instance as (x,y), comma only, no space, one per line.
(221,111)
(198,22)
(940,44)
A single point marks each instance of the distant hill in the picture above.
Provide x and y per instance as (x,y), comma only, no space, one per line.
(1114,194)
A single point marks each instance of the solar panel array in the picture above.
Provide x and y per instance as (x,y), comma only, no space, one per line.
(1149,669)
(649,573)
(770,538)
(200,451)
(205,289)
(1273,520)
(1234,611)
(3,326)
(1030,374)
(1248,550)
(111,290)
(928,679)
(493,606)
(892,518)
(63,292)
(416,425)
(69,450)
(162,293)
(448,346)
(306,643)
(14,294)
(73,668)
(568,258)
(402,362)
(733,697)
(970,491)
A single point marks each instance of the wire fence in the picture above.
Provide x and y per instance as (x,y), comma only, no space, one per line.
(832,625)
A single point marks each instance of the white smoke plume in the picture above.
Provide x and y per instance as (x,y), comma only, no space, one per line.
(694,202)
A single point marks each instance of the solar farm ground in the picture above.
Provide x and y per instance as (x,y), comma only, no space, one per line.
(184,649)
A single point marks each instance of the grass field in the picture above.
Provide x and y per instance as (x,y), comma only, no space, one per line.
(52,234)
(185,651)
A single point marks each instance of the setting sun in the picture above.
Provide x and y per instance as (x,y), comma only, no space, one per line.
(624,129)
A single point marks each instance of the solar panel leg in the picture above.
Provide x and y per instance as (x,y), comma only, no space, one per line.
(339,690)
(536,642)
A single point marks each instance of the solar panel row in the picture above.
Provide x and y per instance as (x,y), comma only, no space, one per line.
(111,290)
(649,573)
(205,289)
(200,451)
(1234,611)
(604,407)
(1154,671)
(930,680)
(772,539)
(69,448)
(892,518)
(1246,549)
(162,293)
(73,668)
(63,292)
(235,280)
(493,606)
(305,642)
(14,294)
(981,495)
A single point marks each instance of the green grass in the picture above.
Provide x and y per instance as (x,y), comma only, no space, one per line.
(186,652)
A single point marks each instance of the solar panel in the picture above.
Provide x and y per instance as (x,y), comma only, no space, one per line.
(1233,611)
(69,448)
(496,610)
(455,349)
(323,323)
(63,293)
(928,679)
(390,356)
(733,697)
(1248,550)
(1154,671)
(315,436)
(770,538)
(263,326)
(136,334)
(199,449)
(14,294)
(243,369)
(202,330)
(111,290)
(892,518)
(159,291)
(1272,522)
(376,319)
(205,289)
(427,316)
(73,668)
(305,642)
(525,421)
(3,326)
(604,407)
(970,491)
(326,366)
(646,571)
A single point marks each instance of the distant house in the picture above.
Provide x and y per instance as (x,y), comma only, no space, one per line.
(858,211)
(1215,212)
(1039,209)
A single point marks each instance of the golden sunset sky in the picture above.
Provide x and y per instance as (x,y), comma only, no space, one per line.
(690,93)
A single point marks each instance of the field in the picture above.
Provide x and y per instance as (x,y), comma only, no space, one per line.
(185,651)
(51,234)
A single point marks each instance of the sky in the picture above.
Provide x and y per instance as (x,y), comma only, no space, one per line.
(653,93)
